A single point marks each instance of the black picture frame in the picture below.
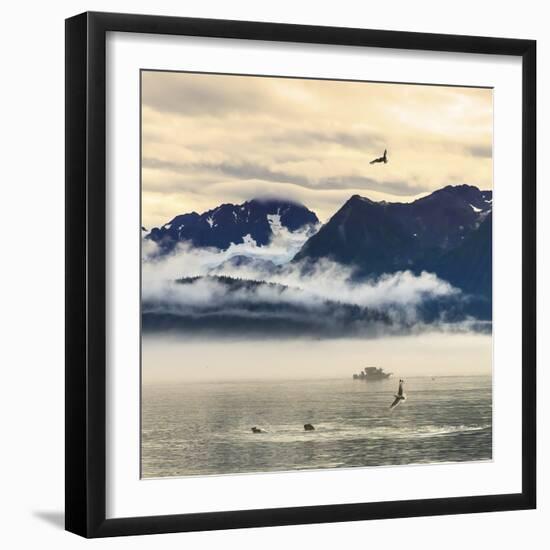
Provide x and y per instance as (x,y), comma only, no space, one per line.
(86,274)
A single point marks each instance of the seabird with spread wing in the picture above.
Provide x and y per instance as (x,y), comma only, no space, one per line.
(383,158)
(399,396)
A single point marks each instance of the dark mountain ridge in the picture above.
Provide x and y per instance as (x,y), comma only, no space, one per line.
(232,223)
(447,232)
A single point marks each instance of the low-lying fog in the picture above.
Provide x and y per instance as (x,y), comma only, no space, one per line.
(169,359)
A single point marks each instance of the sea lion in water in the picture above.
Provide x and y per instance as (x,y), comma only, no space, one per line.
(256,430)
(308,427)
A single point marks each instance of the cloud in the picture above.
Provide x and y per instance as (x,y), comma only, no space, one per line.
(482,151)
(259,290)
(210,139)
(396,188)
(240,171)
(223,95)
(249,171)
(188,261)
(352,139)
(165,93)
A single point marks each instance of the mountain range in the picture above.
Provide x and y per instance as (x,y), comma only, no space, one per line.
(233,223)
(448,232)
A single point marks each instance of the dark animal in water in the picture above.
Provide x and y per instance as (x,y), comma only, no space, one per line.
(256,430)
(308,427)
(383,159)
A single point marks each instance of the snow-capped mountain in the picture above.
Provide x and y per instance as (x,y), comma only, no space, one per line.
(256,220)
(424,235)
(268,268)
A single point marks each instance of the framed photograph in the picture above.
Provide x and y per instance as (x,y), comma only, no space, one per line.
(300,274)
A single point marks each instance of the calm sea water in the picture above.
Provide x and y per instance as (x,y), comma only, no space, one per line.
(204,429)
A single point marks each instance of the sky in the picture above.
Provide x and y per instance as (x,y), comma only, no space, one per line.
(213,139)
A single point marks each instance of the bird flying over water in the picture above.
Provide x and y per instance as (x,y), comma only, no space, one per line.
(399,396)
(383,158)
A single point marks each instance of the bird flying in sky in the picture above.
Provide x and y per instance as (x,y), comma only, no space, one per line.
(383,158)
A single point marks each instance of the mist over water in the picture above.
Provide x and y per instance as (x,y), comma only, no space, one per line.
(167,359)
(201,397)
(204,428)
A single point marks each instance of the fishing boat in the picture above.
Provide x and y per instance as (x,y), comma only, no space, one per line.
(372,373)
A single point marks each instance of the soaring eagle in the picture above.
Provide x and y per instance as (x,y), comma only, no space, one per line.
(383,159)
